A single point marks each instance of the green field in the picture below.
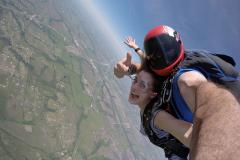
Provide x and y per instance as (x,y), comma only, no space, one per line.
(58,97)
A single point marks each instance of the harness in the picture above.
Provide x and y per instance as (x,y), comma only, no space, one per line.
(169,143)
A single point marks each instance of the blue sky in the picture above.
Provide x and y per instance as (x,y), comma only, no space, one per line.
(212,25)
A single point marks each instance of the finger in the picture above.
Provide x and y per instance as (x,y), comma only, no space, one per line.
(125,42)
(129,59)
(117,73)
(122,60)
(122,68)
(126,38)
(132,39)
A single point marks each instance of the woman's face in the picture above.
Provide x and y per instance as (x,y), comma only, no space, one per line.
(141,91)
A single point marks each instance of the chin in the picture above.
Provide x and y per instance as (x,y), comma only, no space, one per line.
(131,101)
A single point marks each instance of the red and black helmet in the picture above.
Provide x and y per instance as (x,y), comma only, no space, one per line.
(164,49)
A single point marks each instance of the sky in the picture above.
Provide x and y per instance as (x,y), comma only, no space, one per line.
(212,25)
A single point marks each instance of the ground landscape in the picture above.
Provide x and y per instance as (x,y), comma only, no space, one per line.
(59,99)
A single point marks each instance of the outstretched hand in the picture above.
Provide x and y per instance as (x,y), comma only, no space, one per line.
(130,42)
(122,66)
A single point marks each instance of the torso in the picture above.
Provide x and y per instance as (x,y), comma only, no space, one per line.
(197,68)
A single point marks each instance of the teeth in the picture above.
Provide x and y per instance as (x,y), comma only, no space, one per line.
(134,95)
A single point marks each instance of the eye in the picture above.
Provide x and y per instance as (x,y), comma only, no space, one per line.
(142,85)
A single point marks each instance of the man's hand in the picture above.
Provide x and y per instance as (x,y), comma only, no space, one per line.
(122,66)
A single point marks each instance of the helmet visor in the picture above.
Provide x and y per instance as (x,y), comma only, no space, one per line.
(162,51)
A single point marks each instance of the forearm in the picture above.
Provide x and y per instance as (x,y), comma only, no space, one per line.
(140,53)
(130,42)
(180,129)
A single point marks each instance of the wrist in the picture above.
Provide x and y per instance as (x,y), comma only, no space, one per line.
(137,49)
(132,69)
(135,46)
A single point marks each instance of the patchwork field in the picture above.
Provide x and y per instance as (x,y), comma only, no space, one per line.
(58,97)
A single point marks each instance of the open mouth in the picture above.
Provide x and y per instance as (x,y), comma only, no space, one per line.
(134,96)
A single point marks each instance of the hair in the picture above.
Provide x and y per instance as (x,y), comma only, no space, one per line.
(157,80)
(157,84)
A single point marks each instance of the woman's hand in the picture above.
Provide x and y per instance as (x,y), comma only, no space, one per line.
(130,42)
(122,66)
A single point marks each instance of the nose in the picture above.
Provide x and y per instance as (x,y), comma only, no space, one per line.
(135,86)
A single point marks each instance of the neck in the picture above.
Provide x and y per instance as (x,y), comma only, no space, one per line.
(142,106)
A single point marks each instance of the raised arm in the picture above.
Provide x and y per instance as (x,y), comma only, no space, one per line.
(130,42)
(126,66)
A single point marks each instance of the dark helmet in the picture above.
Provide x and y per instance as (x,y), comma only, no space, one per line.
(164,49)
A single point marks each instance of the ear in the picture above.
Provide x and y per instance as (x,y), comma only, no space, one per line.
(153,94)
